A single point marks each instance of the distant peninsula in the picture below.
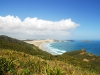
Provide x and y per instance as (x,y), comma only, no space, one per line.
(85,40)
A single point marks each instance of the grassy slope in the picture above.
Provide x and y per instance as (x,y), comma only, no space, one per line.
(25,64)
(81,59)
(91,63)
(17,45)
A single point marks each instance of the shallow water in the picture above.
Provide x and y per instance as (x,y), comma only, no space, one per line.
(62,47)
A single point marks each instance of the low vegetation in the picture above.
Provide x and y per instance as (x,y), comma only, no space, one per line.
(82,59)
(20,58)
(20,46)
(19,63)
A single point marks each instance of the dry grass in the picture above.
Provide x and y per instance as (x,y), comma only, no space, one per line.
(25,64)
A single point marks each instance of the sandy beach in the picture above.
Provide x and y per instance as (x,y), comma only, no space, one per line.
(39,43)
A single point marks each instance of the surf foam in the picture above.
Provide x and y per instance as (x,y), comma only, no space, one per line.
(54,51)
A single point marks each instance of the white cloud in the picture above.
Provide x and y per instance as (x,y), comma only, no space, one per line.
(35,26)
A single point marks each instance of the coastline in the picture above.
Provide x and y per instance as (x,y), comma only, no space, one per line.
(40,43)
(48,46)
(45,45)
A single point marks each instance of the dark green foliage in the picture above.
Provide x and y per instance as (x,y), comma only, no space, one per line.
(6,65)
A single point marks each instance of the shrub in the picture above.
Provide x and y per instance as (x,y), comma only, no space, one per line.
(6,65)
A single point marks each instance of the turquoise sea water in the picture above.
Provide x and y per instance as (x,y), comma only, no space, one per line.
(61,47)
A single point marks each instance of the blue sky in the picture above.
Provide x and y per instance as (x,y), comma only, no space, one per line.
(85,13)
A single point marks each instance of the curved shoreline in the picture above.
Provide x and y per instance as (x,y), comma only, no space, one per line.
(40,43)
(44,45)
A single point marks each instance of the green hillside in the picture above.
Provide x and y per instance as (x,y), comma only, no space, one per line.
(20,58)
(18,45)
(81,58)
(19,63)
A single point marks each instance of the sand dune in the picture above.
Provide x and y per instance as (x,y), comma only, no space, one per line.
(39,43)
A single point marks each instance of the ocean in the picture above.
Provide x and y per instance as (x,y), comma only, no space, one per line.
(57,48)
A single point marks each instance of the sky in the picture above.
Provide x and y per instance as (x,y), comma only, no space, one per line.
(53,19)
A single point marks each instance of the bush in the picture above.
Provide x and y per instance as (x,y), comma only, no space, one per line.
(6,65)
